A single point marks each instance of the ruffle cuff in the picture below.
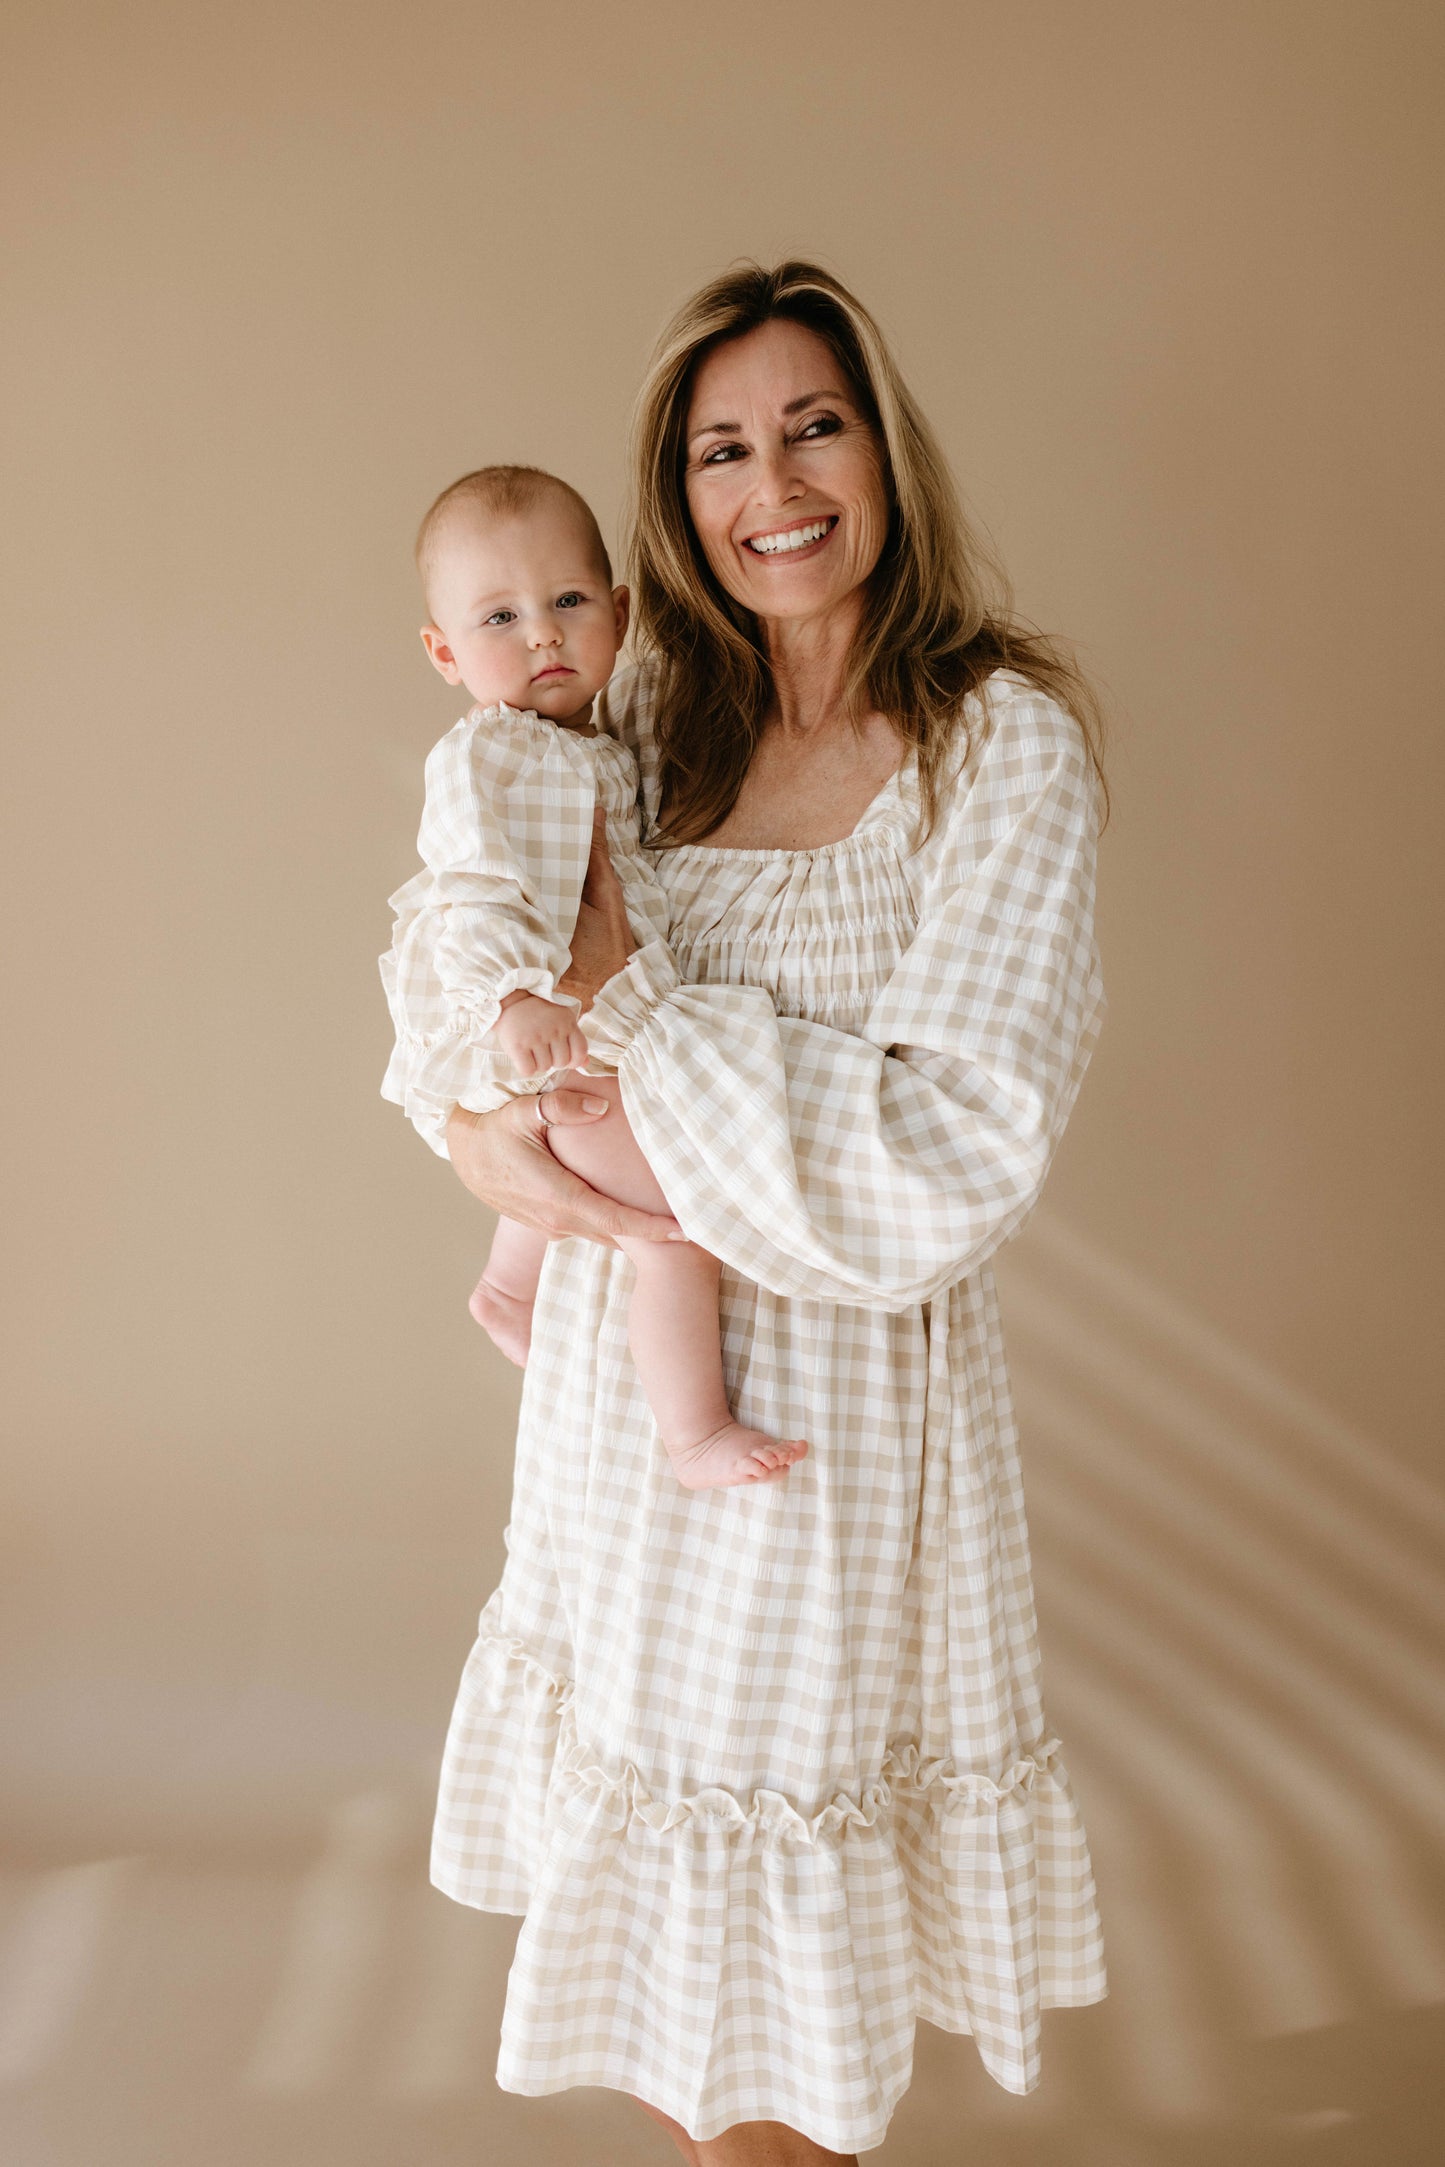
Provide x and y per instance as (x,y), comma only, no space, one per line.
(462,1064)
(478,1019)
(623,1006)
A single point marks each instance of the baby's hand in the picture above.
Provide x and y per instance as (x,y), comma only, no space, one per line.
(538,1035)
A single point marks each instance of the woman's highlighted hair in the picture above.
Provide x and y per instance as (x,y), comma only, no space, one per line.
(939,615)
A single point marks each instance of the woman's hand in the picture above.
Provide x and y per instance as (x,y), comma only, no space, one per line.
(602,939)
(502,1157)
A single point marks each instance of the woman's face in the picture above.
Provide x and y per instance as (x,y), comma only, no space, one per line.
(784,474)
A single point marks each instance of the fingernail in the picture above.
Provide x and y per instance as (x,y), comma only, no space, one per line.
(594,1106)
(679,1236)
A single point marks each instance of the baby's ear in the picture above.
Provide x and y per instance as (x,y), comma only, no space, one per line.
(622,611)
(440,655)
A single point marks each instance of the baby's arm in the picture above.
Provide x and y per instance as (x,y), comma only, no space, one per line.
(538,1035)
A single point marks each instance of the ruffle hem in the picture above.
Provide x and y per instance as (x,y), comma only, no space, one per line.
(665,1938)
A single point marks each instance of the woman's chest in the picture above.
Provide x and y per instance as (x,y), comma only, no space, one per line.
(809,795)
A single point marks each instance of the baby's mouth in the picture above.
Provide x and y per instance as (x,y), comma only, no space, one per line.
(789,541)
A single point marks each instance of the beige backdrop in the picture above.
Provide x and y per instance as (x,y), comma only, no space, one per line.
(1167,279)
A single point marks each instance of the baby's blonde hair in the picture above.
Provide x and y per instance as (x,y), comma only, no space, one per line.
(503,491)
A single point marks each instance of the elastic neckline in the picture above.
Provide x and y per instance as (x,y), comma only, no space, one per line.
(500,711)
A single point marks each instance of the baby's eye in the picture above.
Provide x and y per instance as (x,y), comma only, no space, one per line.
(500,617)
(570,599)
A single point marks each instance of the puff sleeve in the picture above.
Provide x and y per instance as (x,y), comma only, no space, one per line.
(505,832)
(879,1169)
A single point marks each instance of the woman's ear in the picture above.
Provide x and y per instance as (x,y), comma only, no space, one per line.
(621,612)
(440,655)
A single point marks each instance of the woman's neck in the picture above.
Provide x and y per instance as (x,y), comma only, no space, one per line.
(808,657)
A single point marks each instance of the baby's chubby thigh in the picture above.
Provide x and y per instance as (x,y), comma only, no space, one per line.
(604,1152)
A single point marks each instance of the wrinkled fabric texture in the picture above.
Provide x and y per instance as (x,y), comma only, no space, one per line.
(768,1769)
(505,835)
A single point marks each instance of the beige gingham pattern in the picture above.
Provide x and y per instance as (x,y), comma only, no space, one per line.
(768,1770)
(505,834)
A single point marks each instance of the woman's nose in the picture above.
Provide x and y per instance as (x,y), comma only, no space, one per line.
(777,477)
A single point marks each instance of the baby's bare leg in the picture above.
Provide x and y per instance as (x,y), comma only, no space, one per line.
(672,1328)
(673,1319)
(502,1298)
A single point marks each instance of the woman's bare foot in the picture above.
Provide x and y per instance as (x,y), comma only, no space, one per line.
(505,1318)
(733,1454)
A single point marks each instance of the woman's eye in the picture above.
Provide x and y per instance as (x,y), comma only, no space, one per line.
(829,424)
(721,455)
(500,617)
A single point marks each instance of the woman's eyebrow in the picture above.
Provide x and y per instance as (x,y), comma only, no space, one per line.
(735,428)
(795,406)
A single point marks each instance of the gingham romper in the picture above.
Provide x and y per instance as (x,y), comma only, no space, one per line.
(767,1770)
(506,831)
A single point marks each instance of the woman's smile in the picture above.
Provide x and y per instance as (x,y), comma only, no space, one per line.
(804,539)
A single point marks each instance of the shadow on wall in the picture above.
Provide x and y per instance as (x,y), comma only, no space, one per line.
(1239,1605)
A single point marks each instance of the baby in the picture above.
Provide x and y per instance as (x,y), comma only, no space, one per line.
(524,615)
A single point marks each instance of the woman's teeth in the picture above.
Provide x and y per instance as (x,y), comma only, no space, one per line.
(774,545)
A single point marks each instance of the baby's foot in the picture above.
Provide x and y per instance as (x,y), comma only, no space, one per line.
(733,1454)
(505,1318)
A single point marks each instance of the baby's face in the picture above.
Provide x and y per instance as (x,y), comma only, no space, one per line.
(522,611)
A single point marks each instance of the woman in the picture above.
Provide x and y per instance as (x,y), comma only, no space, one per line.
(767,1769)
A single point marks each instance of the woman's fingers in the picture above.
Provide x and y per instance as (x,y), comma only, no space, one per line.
(601,886)
(569,1107)
(601,944)
(576,1208)
(502,1157)
(597,854)
(622,1223)
(602,937)
(604,1220)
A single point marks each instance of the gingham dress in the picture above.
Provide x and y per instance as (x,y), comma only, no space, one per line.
(767,1769)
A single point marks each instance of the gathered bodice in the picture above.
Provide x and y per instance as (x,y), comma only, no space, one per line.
(820,929)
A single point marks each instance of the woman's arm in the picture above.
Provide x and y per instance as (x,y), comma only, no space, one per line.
(878,1169)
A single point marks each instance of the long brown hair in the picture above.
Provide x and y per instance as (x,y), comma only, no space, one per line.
(938,618)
